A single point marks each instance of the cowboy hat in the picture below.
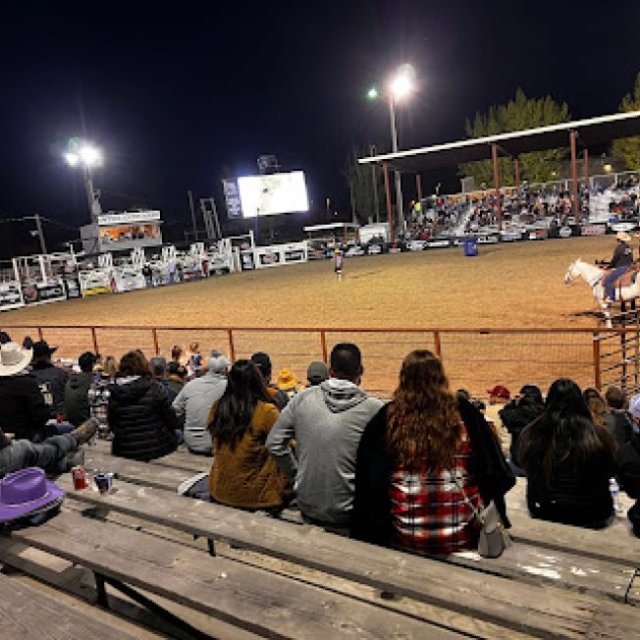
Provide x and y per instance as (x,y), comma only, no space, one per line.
(13,358)
(26,491)
(623,236)
(41,349)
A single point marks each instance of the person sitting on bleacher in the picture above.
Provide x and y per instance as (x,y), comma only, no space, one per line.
(618,421)
(193,403)
(243,474)
(568,461)
(76,392)
(628,462)
(142,420)
(23,411)
(427,462)
(326,422)
(52,379)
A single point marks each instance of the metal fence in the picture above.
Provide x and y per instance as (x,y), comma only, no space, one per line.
(474,358)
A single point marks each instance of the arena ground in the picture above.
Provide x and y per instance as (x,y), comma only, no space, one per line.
(507,286)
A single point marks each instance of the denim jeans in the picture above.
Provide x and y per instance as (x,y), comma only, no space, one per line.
(48,454)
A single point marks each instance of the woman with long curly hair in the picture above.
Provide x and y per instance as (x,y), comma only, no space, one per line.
(568,460)
(425,463)
(244,474)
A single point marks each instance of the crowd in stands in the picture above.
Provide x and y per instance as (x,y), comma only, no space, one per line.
(477,212)
(411,473)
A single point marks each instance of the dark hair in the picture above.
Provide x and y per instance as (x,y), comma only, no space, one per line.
(27,343)
(596,405)
(614,397)
(176,369)
(232,414)
(133,363)
(564,431)
(346,361)
(176,352)
(262,360)
(532,392)
(423,423)
(463,394)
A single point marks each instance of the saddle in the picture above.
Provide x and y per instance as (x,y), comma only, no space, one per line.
(627,278)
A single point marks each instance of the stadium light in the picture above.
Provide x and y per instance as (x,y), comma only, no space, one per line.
(88,156)
(372,94)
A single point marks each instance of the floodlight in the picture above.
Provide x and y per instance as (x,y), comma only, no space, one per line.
(71,158)
(91,156)
(372,94)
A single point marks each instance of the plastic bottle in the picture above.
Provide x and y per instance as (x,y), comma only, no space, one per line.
(614,488)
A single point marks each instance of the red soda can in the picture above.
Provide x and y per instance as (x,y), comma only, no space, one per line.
(80,480)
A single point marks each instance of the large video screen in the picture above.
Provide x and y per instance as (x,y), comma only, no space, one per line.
(273,194)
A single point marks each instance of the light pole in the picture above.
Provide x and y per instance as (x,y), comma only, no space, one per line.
(400,86)
(86,155)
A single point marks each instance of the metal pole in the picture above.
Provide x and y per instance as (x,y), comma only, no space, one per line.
(387,190)
(394,148)
(496,182)
(374,180)
(193,216)
(43,246)
(574,176)
(585,162)
(516,170)
(94,202)
(419,186)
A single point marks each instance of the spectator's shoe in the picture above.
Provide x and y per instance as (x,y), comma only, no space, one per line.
(85,431)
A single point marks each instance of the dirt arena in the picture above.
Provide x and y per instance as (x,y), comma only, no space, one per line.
(506,286)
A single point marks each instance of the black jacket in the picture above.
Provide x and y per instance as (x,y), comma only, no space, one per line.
(628,461)
(142,420)
(515,417)
(622,256)
(371,517)
(52,381)
(619,425)
(76,398)
(577,491)
(22,408)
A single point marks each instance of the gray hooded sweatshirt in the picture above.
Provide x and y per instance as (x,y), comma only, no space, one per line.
(327,423)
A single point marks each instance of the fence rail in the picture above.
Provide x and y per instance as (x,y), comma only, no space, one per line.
(474,358)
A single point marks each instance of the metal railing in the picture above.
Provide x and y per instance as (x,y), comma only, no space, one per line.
(474,358)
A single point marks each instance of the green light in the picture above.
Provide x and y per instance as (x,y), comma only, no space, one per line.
(372,94)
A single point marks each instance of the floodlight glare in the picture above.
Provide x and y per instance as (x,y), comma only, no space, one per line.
(401,86)
(91,156)
(71,158)
(372,94)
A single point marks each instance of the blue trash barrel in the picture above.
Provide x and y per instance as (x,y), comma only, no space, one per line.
(471,247)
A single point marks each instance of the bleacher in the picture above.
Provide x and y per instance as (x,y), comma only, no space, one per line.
(193,569)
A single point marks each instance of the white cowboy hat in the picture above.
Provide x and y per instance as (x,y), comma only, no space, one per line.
(623,236)
(13,358)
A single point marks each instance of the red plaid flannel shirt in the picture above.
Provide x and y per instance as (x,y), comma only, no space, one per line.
(430,514)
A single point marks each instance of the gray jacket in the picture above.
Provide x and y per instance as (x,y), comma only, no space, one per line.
(327,422)
(193,405)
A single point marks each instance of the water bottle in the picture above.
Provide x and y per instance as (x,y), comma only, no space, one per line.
(614,489)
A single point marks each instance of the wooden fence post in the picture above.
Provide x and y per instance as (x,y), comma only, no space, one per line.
(596,360)
(232,346)
(323,343)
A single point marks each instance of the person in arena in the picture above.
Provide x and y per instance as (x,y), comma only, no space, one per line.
(338,263)
(243,474)
(620,261)
(568,461)
(326,421)
(195,400)
(423,460)
(142,420)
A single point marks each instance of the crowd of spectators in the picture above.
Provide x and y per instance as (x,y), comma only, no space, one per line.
(549,204)
(411,473)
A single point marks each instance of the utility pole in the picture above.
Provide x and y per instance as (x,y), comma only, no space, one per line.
(374,179)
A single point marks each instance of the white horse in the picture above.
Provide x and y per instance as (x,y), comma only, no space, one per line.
(594,276)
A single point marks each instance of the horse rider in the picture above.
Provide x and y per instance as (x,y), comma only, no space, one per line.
(620,262)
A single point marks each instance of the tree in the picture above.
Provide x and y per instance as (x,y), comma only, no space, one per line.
(364,182)
(627,150)
(518,114)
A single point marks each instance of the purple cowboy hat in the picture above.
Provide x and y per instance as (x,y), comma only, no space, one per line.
(26,491)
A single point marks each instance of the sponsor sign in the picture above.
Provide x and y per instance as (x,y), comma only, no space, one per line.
(232,198)
(10,296)
(538,234)
(494,239)
(269,258)
(246,260)
(36,293)
(72,287)
(127,217)
(622,226)
(565,232)
(594,229)
(294,255)
(436,244)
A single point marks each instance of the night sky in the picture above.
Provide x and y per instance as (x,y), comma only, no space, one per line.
(178,93)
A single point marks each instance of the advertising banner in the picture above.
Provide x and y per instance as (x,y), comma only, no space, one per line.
(38,292)
(232,198)
(128,280)
(95,282)
(10,296)
(594,229)
(72,287)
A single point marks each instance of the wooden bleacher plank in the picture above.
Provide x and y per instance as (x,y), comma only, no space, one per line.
(251,598)
(26,613)
(547,610)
